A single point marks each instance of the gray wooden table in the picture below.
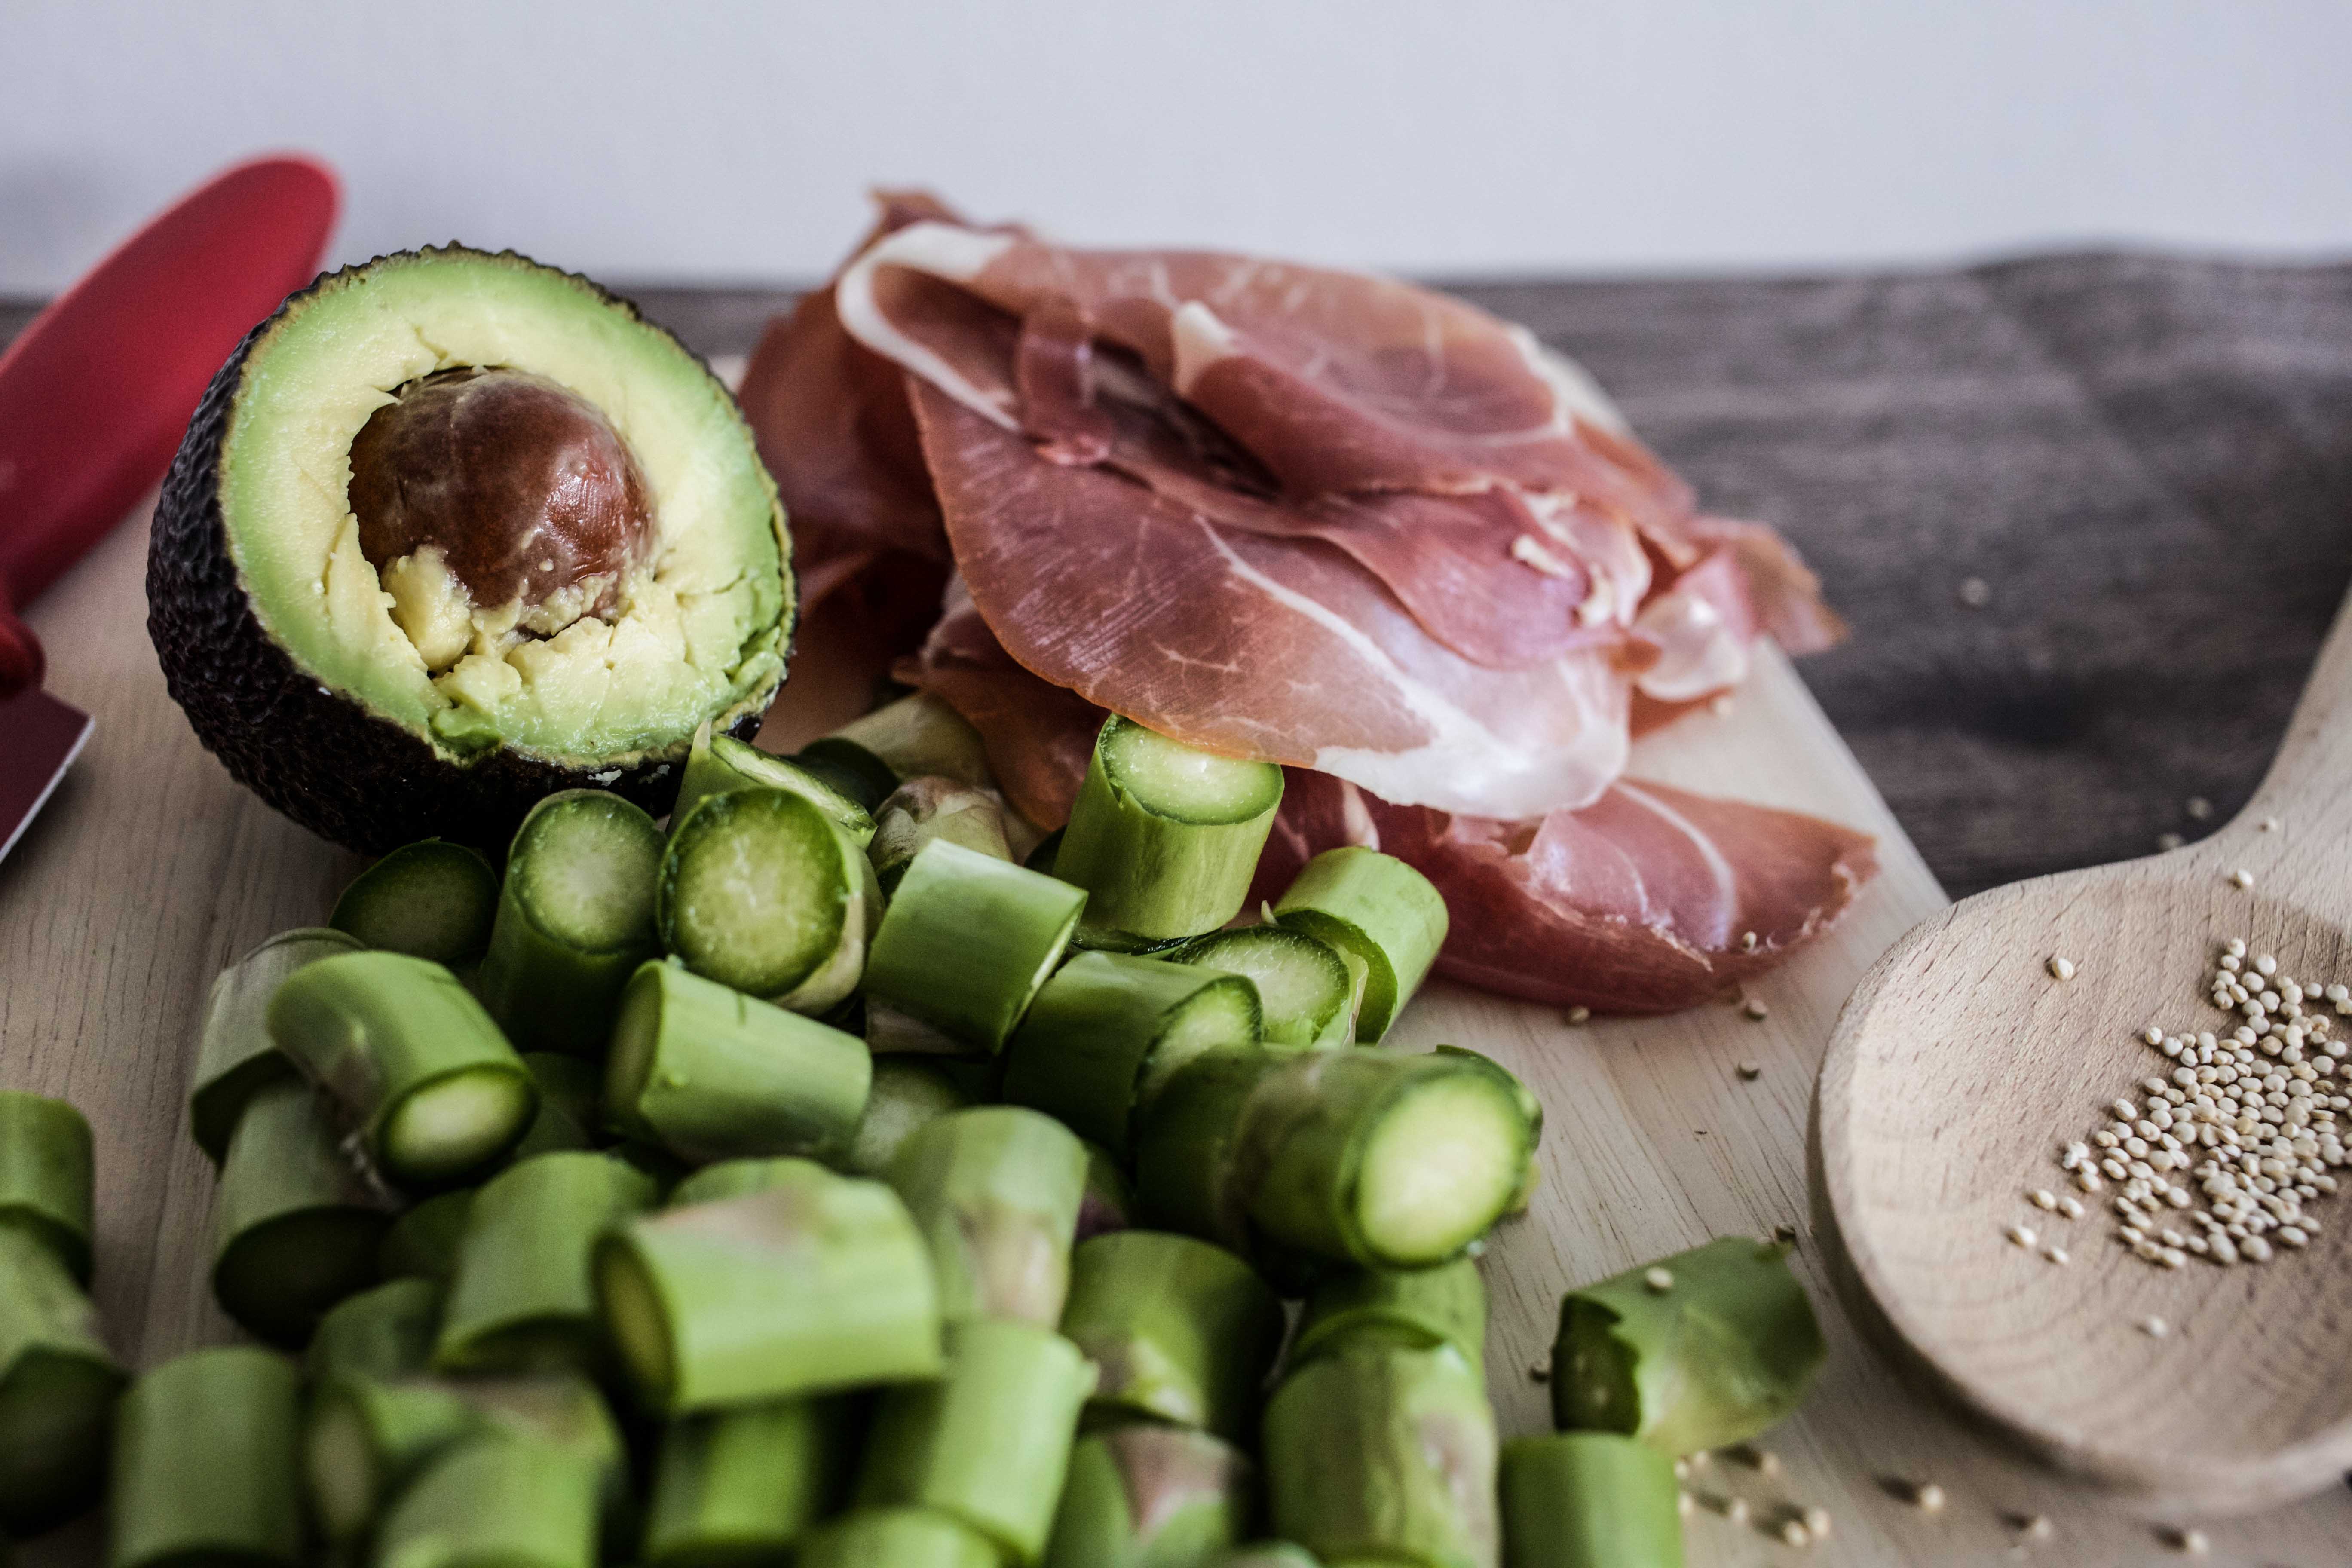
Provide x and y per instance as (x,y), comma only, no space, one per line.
(2088,515)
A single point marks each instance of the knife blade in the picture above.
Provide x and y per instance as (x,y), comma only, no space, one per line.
(43,736)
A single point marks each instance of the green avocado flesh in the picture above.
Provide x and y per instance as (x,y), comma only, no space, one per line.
(700,635)
(274,570)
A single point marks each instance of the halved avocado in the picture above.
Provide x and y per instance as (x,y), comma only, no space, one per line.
(453,531)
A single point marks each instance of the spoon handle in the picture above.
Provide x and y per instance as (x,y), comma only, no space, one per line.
(2306,796)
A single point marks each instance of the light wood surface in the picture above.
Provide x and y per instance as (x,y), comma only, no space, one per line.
(150,869)
(1962,1066)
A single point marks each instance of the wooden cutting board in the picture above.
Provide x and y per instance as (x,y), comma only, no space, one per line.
(150,870)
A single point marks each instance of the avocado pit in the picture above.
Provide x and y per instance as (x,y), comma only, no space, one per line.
(489,498)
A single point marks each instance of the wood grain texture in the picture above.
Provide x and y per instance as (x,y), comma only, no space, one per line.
(1960,1066)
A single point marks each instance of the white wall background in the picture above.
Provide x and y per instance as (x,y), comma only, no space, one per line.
(701,140)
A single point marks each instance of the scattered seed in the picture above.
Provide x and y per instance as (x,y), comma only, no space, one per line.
(1685,1504)
(1786,1235)
(2061,968)
(1748,942)
(1659,1281)
(2199,808)
(1928,1497)
(1540,1372)
(1793,1532)
(2191,1542)
(1580,1015)
(2021,1235)
(1754,1007)
(2155,1328)
(2056,1254)
(2042,1198)
(2170,841)
(2032,1526)
(1817,1521)
(2071,1207)
(2241,877)
(2269,824)
(1750,1071)
(1975,593)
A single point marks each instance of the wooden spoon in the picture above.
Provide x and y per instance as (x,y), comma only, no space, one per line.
(1961,1067)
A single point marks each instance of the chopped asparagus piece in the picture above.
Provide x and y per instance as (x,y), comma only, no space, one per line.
(1189,1148)
(432,899)
(711,1074)
(57,1389)
(1109,1028)
(568,1111)
(47,1184)
(1264,1554)
(741,1485)
(1419,1309)
(820,1284)
(988,1441)
(522,1300)
(385,1332)
(574,921)
(205,1464)
(368,1438)
(1589,1500)
(723,765)
(1385,1455)
(922,809)
(235,1055)
(1164,838)
(850,768)
(1149,1497)
(498,1500)
(423,1243)
(1306,996)
(995,1190)
(760,892)
(1529,1107)
(417,1065)
(906,1096)
(1726,1350)
(967,943)
(1109,1201)
(295,1229)
(1183,1332)
(898,1538)
(916,735)
(1379,909)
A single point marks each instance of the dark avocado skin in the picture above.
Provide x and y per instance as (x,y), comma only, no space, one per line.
(317,755)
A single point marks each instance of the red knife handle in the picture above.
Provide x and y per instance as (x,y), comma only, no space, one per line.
(21,660)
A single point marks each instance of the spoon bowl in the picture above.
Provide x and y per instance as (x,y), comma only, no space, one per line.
(1962,1066)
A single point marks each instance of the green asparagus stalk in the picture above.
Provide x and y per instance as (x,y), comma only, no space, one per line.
(1379,909)
(385,1332)
(1108,1203)
(567,1111)
(495,1500)
(47,1184)
(1384,1160)
(1418,1308)
(1589,1500)
(1165,838)
(1151,1497)
(1183,1332)
(235,1055)
(205,1463)
(717,1183)
(988,1442)
(724,764)
(967,943)
(57,1389)
(1529,1107)
(295,1228)
(906,1096)
(741,1485)
(856,771)
(711,1074)
(431,899)
(422,1244)
(574,921)
(368,1438)
(898,1538)
(821,1284)
(1264,1554)
(417,1067)
(995,1190)
(1189,1148)
(1109,1028)
(1697,1351)
(1385,1455)
(523,1300)
(913,736)
(1307,996)
(929,807)
(760,890)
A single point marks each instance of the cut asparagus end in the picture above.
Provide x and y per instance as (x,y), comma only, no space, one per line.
(454,1124)
(339,1461)
(584,868)
(1221,1016)
(755,767)
(755,892)
(423,1243)
(432,899)
(849,768)
(1381,909)
(1590,1499)
(968,941)
(278,1277)
(906,1096)
(1304,990)
(636,1320)
(1439,1168)
(916,735)
(55,1408)
(1173,780)
(637,1031)
(236,1058)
